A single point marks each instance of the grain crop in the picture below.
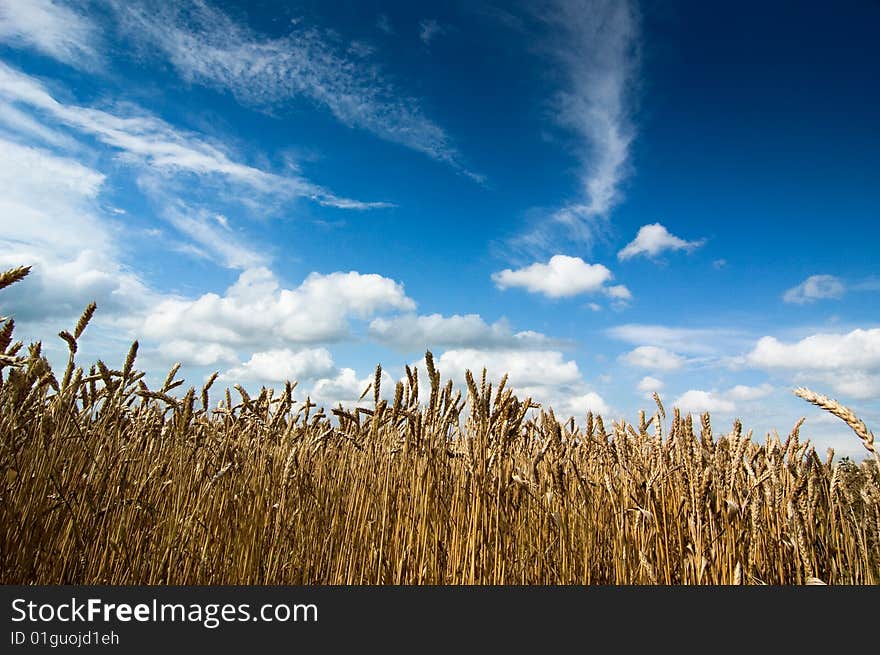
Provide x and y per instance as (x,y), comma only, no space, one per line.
(106,481)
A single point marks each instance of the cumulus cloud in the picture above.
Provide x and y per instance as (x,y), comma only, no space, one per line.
(618,292)
(653,358)
(410,333)
(650,384)
(858,384)
(815,287)
(561,277)
(281,364)
(697,400)
(653,239)
(578,405)
(859,349)
(190,353)
(742,392)
(207,47)
(526,368)
(256,310)
(849,363)
(315,373)
(52,29)
(50,218)
(345,388)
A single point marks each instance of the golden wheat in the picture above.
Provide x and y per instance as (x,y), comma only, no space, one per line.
(106,481)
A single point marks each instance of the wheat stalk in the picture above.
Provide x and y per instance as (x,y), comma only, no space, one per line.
(845,414)
(13,275)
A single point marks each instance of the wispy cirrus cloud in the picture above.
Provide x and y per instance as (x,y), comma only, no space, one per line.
(215,239)
(595,45)
(140,136)
(429,29)
(25,127)
(52,29)
(693,341)
(207,47)
(383,24)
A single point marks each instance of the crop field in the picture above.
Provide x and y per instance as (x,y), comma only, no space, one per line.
(106,481)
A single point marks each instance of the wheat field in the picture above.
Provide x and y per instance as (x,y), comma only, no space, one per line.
(105,481)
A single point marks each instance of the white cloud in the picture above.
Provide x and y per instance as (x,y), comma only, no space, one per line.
(858,350)
(361,49)
(151,141)
(697,400)
(383,23)
(653,239)
(215,238)
(524,368)
(579,405)
(849,363)
(256,310)
(50,219)
(595,47)
(429,29)
(700,401)
(695,341)
(209,48)
(858,384)
(742,392)
(412,333)
(653,358)
(316,376)
(650,384)
(42,193)
(345,388)
(815,287)
(871,283)
(561,277)
(190,353)
(619,292)
(19,124)
(52,29)
(279,365)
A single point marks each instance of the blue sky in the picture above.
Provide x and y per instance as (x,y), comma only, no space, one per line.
(603,199)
